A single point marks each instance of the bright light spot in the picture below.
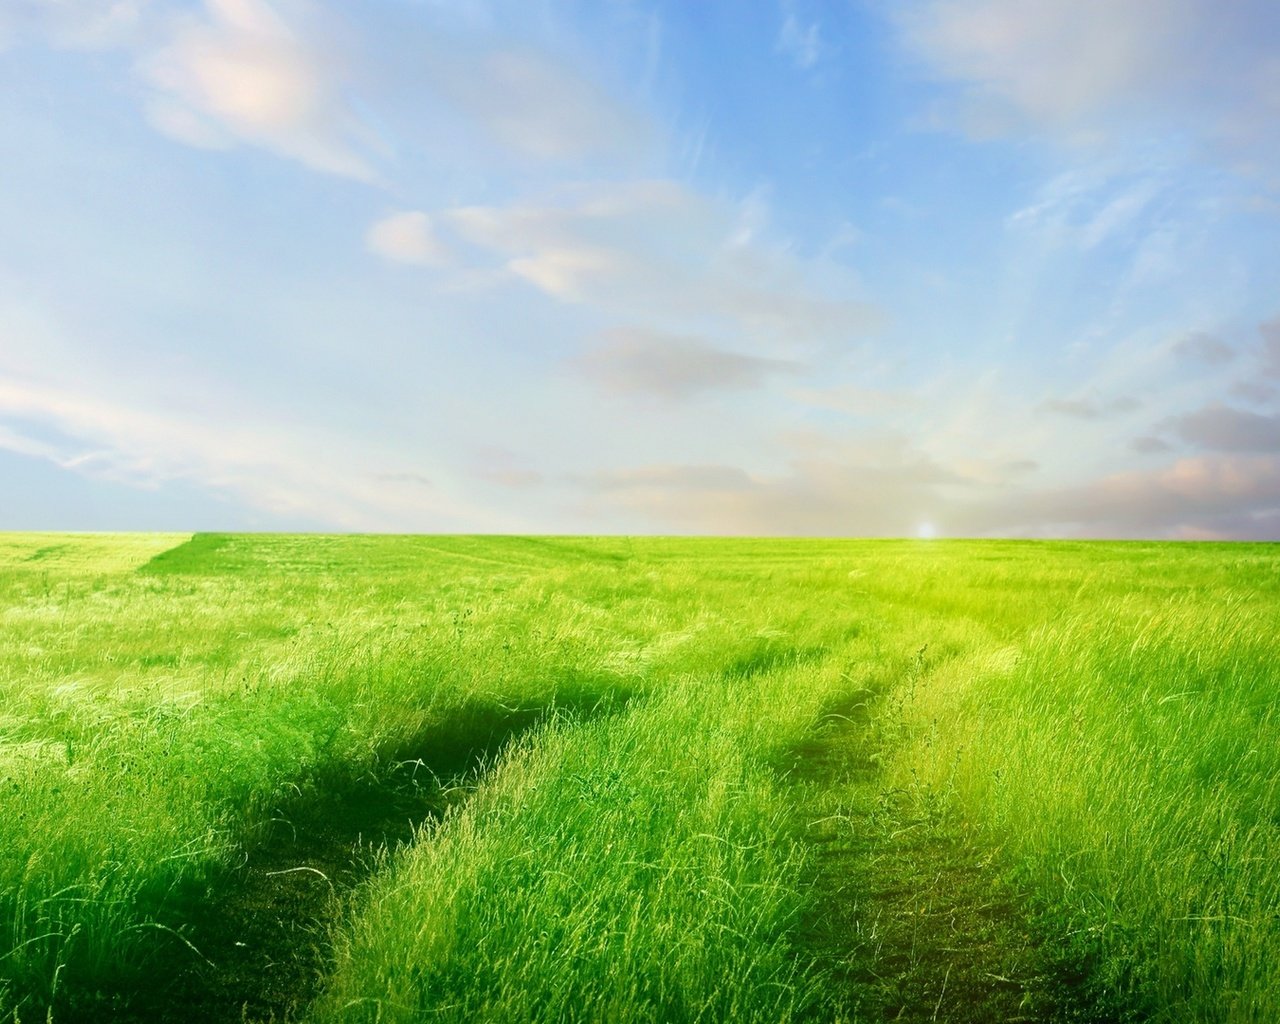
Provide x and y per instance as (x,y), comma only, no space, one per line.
(926,531)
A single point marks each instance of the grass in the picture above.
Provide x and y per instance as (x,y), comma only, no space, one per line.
(673,780)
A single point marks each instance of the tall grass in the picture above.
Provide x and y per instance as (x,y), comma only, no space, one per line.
(154,715)
(641,868)
(1101,717)
(1125,754)
(151,722)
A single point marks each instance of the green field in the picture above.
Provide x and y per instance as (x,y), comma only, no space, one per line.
(373,778)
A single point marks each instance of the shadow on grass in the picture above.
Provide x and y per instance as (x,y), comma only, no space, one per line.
(252,944)
(767,656)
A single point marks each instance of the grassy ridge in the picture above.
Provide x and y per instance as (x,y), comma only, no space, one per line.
(1100,719)
(641,868)
(578,888)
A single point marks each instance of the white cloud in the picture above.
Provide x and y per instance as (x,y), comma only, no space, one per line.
(1101,70)
(19,443)
(673,260)
(242,73)
(284,468)
(407,237)
(1055,62)
(802,43)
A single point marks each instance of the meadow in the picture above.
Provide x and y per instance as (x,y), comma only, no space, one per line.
(376,778)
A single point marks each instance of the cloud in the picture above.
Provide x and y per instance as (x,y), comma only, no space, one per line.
(1207,494)
(1051,61)
(1259,526)
(21,444)
(1270,333)
(1149,445)
(512,479)
(74,24)
(1091,408)
(416,479)
(407,237)
(1092,70)
(858,401)
(640,361)
(802,43)
(539,107)
(240,73)
(1259,387)
(884,490)
(298,472)
(495,464)
(886,487)
(657,251)
(1087,207)
(1256,391)
(1203,347)
(1225,429)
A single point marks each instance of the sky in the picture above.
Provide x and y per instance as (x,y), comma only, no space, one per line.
(783,267)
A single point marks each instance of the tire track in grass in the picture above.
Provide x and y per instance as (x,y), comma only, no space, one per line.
(910,921)
(253,944)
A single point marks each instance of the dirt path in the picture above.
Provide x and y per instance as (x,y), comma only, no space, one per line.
(912,921)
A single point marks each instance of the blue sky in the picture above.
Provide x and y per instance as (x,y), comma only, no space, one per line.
(954,267)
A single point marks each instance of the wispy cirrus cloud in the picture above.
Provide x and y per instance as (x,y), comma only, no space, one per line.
(23,444)
(288,470)
(243,73)
(660,251)
(1088,206)
(798,39)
